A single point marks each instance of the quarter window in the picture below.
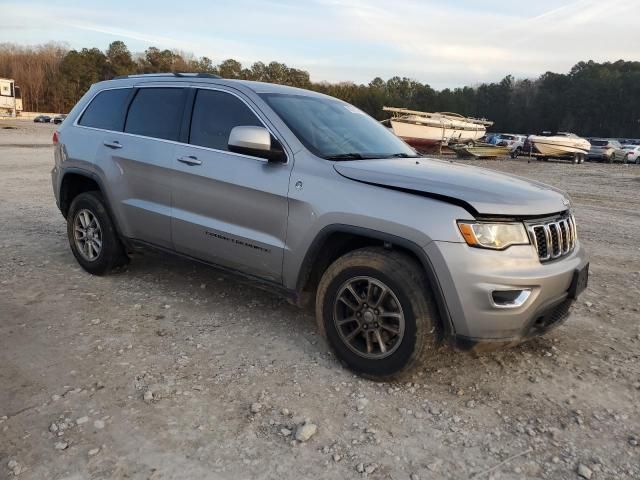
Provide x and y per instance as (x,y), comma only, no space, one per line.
(106,110)
(215,113)
(156,112)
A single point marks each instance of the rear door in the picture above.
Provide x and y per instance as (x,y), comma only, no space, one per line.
(228,208)
(139,161)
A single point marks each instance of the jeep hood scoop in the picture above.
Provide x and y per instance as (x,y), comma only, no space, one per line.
(481,191)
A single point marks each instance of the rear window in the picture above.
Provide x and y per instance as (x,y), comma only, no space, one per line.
(599,143)
(156,112)
(106,110)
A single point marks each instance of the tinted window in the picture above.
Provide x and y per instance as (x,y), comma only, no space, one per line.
(106,110)
(214,115)
(156,112)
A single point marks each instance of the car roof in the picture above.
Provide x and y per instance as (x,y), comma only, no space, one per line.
(205,79)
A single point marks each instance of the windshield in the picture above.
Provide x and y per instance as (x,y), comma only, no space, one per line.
(335,130)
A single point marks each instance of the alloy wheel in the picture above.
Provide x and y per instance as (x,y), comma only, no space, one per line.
(368,317)
(87,234)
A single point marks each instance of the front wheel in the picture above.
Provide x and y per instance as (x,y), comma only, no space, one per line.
(92,235)
(374,307)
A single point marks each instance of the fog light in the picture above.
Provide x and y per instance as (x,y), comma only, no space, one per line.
(510,298)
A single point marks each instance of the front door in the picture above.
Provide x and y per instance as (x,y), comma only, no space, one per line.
(228,208)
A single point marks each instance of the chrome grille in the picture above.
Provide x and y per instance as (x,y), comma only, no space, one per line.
(553,239)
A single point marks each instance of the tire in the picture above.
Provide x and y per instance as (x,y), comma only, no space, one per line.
(89,219)
(366,271)
(612,158)
(576,159)
(582,157)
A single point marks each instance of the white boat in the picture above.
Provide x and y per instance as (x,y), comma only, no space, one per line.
(561,144)
(420,129)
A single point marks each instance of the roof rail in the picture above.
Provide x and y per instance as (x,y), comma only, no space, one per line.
(169,74)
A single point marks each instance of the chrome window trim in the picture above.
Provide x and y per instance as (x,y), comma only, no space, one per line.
(260,159)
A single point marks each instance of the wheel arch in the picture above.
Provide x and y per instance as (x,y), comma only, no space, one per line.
(333,241)
(76,181)
(73,183)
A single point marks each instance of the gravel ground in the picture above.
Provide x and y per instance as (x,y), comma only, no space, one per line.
(168,369)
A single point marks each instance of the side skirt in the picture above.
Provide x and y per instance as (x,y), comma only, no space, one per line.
(291,296)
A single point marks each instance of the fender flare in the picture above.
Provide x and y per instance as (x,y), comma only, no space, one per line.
(107,204)
(316,245)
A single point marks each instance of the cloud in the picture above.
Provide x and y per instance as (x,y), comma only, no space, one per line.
(444,44)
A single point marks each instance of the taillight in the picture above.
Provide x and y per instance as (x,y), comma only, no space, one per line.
(55,138)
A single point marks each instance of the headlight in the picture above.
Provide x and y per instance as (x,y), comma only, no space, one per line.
(497,236)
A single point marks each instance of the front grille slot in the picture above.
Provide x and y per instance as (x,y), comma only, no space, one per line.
(553,239)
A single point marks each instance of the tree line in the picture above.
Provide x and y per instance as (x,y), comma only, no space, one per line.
(592,99)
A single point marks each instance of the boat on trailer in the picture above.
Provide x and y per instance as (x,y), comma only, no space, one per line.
(559,145)
(426,129)
(480,150)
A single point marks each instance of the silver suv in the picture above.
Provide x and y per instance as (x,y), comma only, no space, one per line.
(316,199)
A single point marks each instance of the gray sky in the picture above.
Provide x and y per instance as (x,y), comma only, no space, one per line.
(462,42)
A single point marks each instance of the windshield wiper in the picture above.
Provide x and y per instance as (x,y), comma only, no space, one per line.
(402,155)
(346,156)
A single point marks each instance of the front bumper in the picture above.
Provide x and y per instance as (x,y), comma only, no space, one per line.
(468,276)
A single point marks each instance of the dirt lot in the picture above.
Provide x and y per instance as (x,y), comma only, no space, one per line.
(173,370)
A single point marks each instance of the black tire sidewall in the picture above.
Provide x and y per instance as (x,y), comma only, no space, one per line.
(381,368)
(111,251)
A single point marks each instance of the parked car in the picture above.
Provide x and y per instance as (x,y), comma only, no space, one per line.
(58,119)
(42,119)
(319,202)
(514,142)
(491,138)
(606,150)
(633,153)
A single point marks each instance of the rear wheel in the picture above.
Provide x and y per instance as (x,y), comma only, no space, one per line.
(92,235)
(612,158)
(374,308)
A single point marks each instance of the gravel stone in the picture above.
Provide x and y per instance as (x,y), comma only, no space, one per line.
(82,420)
(306,431)
(361,404)
(584,471)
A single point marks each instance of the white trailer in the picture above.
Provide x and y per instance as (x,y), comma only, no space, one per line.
(10,98)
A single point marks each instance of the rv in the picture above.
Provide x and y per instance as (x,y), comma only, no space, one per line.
(10,98)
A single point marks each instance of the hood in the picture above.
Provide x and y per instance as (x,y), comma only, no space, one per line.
(481,191)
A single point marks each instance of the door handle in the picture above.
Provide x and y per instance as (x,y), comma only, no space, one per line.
(114,144)
(190,160)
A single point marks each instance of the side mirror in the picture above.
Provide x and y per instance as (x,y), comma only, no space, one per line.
(257,142)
